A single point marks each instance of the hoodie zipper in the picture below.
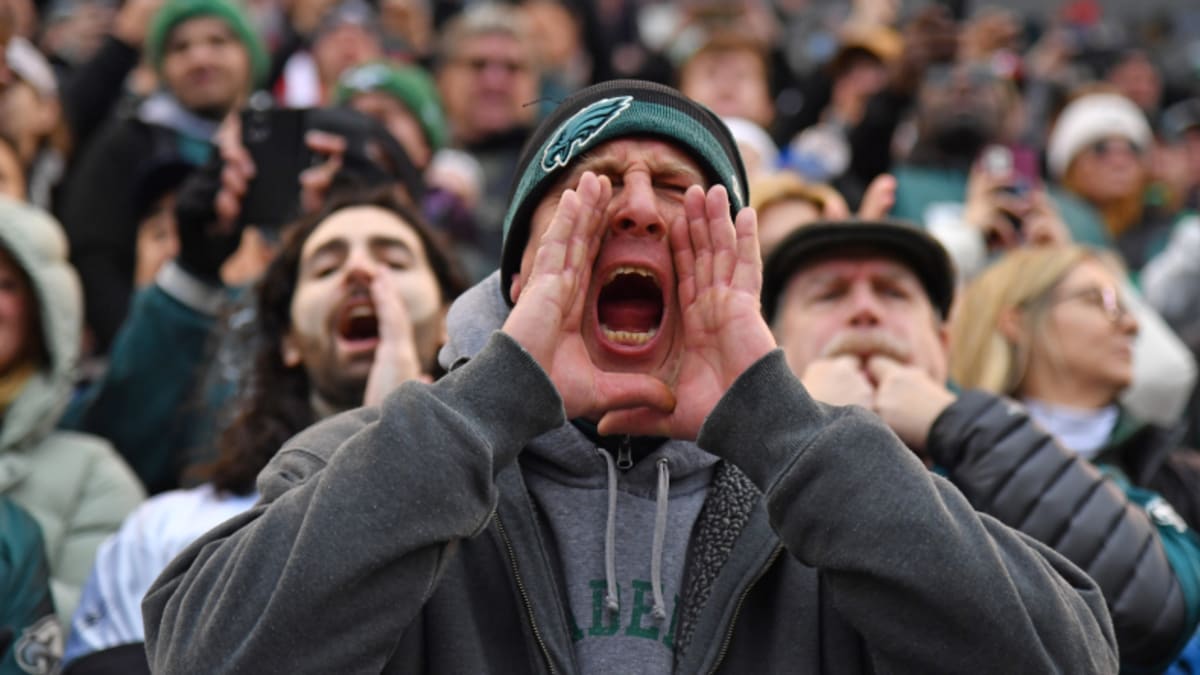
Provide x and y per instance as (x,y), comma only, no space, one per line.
(738,609)
(512,560)
(625,455)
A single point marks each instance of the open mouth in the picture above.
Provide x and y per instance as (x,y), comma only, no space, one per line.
(630,306)
(358,325)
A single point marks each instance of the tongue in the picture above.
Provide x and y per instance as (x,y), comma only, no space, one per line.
(630,314)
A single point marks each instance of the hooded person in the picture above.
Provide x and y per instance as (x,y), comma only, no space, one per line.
(618,473)
(74,485)
(208,60)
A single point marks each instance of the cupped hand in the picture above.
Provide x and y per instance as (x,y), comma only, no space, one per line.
(396,358)
(547,316)
(719,271)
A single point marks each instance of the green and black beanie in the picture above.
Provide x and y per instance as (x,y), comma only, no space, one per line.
(410,85)
(175,12)
(604,112)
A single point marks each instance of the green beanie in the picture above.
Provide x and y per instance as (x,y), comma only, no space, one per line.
(410,85)
(604,112)
(175,12)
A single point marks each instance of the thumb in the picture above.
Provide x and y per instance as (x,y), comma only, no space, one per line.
(620,391)
(882,367)
(879,198)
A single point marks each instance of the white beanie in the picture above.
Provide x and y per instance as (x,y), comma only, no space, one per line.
(745,131)
(1092,118)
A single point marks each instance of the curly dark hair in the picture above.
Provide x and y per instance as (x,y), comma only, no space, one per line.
(275,403)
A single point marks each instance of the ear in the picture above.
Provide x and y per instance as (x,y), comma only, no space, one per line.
(289,351)
(1011,324)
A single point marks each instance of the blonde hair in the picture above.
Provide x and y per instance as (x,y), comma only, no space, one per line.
(981,356)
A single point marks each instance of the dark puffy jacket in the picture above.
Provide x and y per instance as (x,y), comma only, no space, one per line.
(31,638)
(1147,566)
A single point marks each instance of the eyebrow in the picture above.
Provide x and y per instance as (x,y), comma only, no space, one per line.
(339,246)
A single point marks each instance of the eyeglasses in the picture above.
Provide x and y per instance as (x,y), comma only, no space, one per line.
(1106,299)
(1105,147)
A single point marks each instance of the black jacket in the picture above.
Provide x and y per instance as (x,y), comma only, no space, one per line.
(1009,468)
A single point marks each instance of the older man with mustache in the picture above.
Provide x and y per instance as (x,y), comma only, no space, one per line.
(859,309)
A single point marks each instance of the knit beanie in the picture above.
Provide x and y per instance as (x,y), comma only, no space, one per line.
(410,85)
(601,113)
(175,12)
(1092,118)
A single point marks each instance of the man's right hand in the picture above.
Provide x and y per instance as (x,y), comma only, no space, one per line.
(547,316)
(839,381)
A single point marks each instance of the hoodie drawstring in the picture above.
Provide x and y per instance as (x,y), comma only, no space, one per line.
(660,532)
(611,602)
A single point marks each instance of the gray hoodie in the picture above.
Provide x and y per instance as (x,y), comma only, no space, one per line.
(452,529)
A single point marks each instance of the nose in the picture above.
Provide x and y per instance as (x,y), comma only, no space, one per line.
(360,268)
(1127,323)
(637,209)
(865,311)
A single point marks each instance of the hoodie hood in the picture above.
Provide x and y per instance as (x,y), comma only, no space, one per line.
(38,245)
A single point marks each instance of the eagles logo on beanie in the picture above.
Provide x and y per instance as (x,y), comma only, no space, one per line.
(605,112)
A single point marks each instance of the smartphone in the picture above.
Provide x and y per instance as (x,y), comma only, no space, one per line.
(274,137)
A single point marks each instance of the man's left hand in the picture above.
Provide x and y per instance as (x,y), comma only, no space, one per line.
(908,399)
(719,271)
(396,359)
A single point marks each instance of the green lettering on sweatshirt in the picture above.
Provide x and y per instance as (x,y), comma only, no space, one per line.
(599,589)
(640,610)
(576,632)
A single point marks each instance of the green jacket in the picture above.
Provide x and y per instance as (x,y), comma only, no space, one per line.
(31,638)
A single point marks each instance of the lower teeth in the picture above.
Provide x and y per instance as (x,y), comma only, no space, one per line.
(626,337)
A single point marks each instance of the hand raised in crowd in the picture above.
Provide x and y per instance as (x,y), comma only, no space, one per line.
(547,315)
(879,198)
(133,21)
(719,272)
(992,209)
(992,30)
(1043,226)
(396,359)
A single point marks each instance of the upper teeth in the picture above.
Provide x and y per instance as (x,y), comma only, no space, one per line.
(360,310)
(625,269)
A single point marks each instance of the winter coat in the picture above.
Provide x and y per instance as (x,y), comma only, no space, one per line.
(75,486)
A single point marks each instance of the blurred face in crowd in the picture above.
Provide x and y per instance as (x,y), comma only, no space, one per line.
(1191,149)
(206,67)
(342,48)
(157,241)
(960,108)
(334,327)
(1083,340)
(631,322)
(399,121)
(1108,169)
(18,316)
(26,118)
(486,85)
(1137,79)
(860,304)
(12,173)
(731,82)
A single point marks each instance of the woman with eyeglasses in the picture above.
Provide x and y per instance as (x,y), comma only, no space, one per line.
(1049,328)
(1100,150)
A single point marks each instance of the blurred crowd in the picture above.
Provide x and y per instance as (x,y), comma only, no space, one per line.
(225,220)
